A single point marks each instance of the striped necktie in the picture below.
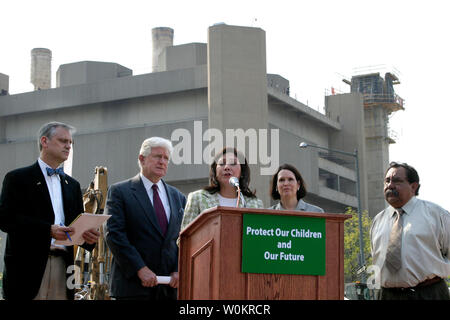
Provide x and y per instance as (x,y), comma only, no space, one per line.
(394,250)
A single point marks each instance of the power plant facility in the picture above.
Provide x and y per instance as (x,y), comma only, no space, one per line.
(201,95)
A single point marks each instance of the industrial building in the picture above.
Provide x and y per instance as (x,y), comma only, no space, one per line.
(196,92)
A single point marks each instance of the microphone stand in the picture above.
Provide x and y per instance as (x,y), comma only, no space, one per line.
(239,196)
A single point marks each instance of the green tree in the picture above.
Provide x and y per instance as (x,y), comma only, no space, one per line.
(351,244)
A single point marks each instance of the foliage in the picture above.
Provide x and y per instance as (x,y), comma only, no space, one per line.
(351,244)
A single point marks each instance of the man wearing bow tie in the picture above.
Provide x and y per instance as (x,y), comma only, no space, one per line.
(36,203)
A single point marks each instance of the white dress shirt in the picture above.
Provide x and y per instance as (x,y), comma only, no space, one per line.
(161,191)
(227,202)
(425,243)
(54,189)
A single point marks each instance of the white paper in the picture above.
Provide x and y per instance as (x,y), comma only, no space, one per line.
(83,222)
(163,279)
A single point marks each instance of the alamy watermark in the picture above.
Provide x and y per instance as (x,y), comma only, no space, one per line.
(374,281)
(72,281)
(189,149)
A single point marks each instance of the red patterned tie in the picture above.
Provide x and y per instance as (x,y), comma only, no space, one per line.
(159,209)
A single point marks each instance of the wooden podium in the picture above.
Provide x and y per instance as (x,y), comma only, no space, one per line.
(211,256)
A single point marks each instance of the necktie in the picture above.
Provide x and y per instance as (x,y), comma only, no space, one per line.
(394,250)
(51,171)
(159,209)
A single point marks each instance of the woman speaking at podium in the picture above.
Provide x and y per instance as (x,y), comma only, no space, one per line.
(221,191)
(288,187)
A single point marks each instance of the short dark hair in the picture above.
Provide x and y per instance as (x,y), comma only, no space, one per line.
(301,192)
(244,179)
(411,173)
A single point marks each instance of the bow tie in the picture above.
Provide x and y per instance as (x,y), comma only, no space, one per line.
(51,171)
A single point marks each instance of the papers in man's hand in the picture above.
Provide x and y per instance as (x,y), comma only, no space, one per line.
(83,222)
(163,279)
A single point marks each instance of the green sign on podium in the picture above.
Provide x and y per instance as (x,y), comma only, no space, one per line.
(283,244)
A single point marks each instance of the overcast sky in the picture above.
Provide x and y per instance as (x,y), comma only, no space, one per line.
(314,44)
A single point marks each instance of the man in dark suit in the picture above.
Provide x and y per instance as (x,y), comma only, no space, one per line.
(35,204)
(146,215)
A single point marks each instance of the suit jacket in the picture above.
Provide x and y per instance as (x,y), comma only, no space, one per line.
(134,236)
(200,200)
(301,206)
(26,215)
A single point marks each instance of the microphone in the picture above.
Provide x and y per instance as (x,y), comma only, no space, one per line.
(234,182)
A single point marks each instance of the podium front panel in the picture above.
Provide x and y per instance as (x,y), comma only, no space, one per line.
(211,259)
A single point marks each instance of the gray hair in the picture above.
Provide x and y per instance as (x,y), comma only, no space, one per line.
(154,142)
(48,130)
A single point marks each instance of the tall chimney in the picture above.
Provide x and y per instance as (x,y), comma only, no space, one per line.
(41,68)
(162,37)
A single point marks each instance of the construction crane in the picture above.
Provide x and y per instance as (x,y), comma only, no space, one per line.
(94,267)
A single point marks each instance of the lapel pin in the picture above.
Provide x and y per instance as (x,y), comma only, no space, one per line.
(39,183)
(66,181)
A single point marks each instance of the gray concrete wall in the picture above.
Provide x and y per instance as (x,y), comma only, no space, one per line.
(237,84)
(112,90)
(237,80)
(111,116)
(108,134)
(348,110)
(88,72)
(304,161)
(183,56)
(277,98)
(294,122)
(308,163)
(377,150)
(278,83)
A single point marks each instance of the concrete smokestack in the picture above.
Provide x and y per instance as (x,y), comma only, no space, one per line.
(162,37)
(41,68)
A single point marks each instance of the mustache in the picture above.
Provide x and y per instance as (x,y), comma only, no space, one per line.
(391,192)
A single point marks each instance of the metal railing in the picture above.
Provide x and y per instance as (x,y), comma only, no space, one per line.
(392,99)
